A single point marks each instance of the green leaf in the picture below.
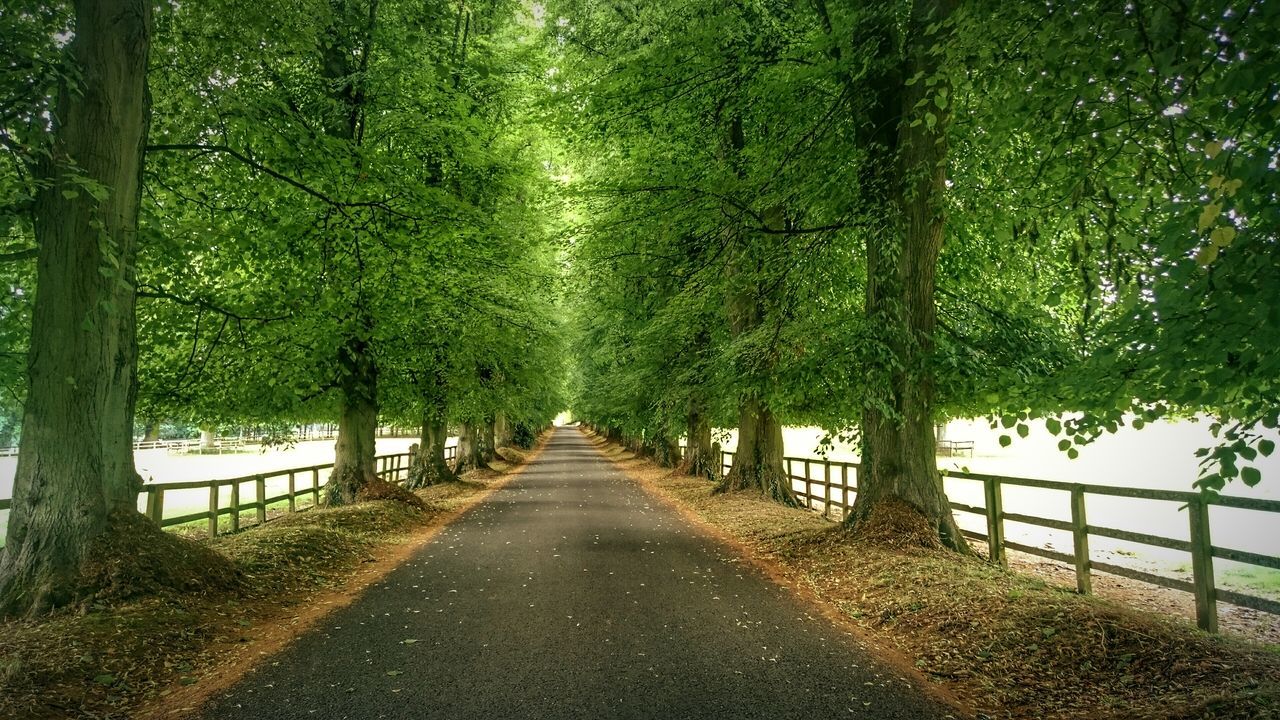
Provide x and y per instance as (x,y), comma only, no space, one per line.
(1005,441)
(1250,475)
(1209,216)
(1266,447)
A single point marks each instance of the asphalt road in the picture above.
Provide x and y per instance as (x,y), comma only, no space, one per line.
(571,593)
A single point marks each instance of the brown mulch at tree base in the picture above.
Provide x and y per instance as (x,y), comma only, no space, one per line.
(383,490)
(1007,645)
(142,649)
(135,558)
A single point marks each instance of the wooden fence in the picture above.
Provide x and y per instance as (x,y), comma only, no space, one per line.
(833,489)
(303,483)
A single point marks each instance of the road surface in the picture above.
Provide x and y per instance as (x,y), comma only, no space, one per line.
(572,593)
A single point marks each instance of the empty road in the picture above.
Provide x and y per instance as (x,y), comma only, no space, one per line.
(572,593)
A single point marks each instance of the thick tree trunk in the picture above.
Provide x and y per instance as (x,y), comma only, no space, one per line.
(75,471)
(207,437)
(698,457)
(429,467)
(502,431)
(354,464)
(757,463)
(899,453)
(667,451)
(472,453)
(150,431)
(488,440)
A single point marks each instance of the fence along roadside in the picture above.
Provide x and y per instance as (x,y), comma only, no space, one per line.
(392,468)
(1200,545)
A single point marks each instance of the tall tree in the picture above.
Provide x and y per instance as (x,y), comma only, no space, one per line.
(75,472)
(904,133)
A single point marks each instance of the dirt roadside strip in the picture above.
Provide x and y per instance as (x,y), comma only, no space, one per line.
(163,656)
(1006,645)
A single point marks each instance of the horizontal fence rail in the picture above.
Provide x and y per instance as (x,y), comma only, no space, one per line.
(838,484)
(302,483)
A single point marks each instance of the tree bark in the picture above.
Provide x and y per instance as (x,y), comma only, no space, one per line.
(354,464)
(698,458)
(472,454)
(430,468)
(757,463)
(488,443)
(75,462)
(908,178)
(150,431)
(502,431)
(667,451)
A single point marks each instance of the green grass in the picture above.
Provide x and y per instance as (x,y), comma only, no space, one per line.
(1260,580)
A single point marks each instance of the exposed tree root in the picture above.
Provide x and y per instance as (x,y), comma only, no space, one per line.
(767,481)
(893,523)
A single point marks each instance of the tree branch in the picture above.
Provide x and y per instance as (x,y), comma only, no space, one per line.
(17,255)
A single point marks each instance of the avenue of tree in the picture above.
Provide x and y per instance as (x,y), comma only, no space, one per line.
(670,216)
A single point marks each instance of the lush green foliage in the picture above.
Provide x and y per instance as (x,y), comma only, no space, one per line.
(279,222)
(1111,212)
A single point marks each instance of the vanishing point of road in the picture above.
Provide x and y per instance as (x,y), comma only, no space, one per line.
(572,593)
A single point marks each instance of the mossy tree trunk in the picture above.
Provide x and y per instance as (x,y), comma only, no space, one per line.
(907,178)
(473,453)
(666,450)
(430,467)
(699,460)
(488,438)
(345,52)
(75,474)
(355,451)
(757,463)
(502,431)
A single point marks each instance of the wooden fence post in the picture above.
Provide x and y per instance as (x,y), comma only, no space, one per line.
(261,483)
(826,488)
(995,522)
(1202,566)
(844,490)
(1080,541)
(808,486)
(293,492)
(235,506)
(155,504)
(315,486)
(213,511)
